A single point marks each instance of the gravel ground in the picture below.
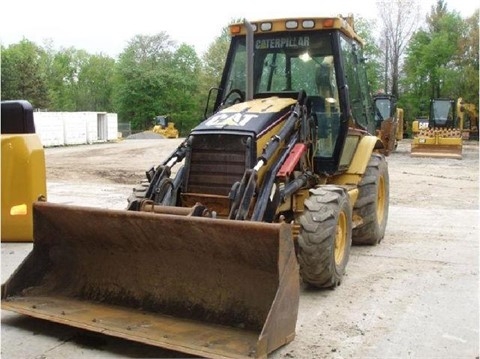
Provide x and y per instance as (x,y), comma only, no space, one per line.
(413,296)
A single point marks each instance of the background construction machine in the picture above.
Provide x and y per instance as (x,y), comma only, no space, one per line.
(165,127)
(389,120)
(468,120)
(443,135)
(278,180)
(23,170)
(420,123)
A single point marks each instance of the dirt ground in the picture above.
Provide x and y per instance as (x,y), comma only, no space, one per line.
(415,295)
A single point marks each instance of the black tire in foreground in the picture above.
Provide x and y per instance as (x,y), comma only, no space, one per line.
(325,237)
(373,202)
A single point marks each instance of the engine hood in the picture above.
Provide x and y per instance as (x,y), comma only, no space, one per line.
(254,116)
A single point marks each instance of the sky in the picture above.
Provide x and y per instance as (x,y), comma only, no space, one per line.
(100,26)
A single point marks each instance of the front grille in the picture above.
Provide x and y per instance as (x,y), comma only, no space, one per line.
(216,162)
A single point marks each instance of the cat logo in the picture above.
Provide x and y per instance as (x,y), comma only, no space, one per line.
(228,119)
(283,42)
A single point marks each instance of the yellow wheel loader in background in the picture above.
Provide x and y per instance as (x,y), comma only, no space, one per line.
(23,170)
(277,182)
(443,135)
(165,127)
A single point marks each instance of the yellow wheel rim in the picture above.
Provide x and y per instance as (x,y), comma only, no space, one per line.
(340,238)
(381,197)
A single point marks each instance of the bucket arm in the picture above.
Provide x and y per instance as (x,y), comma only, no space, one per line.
(162,187)
(245,192)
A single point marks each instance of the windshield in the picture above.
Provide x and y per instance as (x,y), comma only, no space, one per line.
(442,114)
(383,107)
(286,62)
(442,110)
(161,120)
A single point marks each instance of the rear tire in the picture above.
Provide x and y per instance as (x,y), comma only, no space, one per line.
(373,202)
(325,237)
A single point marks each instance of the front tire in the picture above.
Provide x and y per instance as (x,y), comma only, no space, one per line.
(373,202)
(325,237)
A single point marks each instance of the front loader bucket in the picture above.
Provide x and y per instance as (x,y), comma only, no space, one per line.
(388,138)
(442,145)
(439,150)
(208,287)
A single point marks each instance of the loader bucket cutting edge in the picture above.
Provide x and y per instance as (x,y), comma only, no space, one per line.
(209,287)
(439,151)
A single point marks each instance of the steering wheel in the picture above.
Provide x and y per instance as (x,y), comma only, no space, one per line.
(240,97)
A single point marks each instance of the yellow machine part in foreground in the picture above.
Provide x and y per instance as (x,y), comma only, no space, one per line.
(208,287)
(23,182)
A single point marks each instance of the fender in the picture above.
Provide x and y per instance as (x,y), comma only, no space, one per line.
(362,155)
(359,163)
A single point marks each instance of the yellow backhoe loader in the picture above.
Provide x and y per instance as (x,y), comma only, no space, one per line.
(389,119)
(165,127)
(281,177)
(442,137)
(23,170)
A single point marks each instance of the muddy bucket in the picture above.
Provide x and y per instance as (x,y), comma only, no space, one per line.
(208,287)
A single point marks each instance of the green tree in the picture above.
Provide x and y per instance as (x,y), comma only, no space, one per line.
(467,61)
(214,58)
(213,62)
(63,78)
(398,19)
(365,29)
(182,96)
(95,84)
(23,74)
(138,81)
(155,77)
(439,57)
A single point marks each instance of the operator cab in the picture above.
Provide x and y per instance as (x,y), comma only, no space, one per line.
(442,113)
(161,121)
(385,108)
(321,63)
